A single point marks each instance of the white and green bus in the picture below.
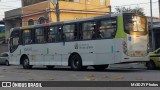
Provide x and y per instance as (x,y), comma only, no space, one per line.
(97,41)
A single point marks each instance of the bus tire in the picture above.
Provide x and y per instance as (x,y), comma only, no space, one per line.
(150,65)
(50,67)
(76,62)
(26,63)
(100,67)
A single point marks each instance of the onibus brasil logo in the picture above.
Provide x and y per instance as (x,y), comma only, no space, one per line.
(19,84)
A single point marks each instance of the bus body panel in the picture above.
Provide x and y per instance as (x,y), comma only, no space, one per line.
(108,52)
(137,45)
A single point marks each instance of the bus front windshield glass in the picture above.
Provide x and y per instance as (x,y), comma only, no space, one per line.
(134,23)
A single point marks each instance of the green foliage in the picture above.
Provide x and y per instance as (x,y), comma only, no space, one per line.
(136,10)
(2,34)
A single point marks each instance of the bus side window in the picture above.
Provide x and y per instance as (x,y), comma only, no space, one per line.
(107,29)
(53,34)
(68,32)
(39,35)
(89,30)
(26,37)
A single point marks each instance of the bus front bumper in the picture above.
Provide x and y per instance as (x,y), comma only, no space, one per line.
(135,59)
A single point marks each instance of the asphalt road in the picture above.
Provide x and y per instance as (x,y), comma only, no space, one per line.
(113,73)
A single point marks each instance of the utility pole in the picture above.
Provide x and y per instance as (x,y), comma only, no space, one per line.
(86,7)
(151,27)
(110,9)
(159,7)
(57,9)
(22,3)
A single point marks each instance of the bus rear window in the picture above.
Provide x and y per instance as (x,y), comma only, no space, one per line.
(134,23)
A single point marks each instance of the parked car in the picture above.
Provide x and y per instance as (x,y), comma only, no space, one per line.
(154,60)
(4,58)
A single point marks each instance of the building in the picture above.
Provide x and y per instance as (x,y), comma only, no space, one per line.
(154,33)
(12,19)
(154,19)
(43,11)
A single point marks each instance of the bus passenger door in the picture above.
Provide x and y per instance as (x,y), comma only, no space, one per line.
(14,47)
(54,48)
(53,54)
(38,54)
(58,54)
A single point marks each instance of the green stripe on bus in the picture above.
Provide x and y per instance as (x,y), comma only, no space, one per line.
(120,28)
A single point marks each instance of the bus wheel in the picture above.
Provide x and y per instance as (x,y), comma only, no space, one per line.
(100,67)
(76,62)
(151,65)
(26,63)
(50,67)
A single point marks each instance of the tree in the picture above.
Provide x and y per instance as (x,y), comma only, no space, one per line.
(136,10)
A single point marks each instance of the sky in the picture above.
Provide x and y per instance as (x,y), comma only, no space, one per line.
(6,5)
(145,4)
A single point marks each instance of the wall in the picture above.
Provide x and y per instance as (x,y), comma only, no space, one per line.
(34,12)
(68,10)
(12,19)
(13,13)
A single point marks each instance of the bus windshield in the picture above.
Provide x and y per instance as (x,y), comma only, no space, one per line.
(135,24)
